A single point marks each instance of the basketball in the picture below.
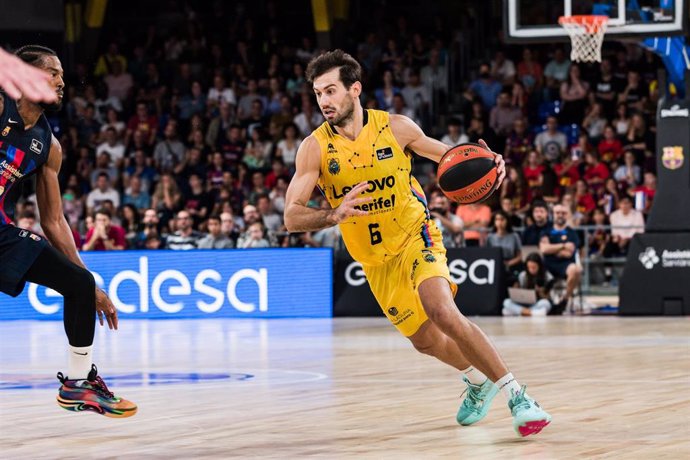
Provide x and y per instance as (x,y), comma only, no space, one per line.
(467,173)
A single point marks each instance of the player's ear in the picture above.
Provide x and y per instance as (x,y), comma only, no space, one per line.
(356,89)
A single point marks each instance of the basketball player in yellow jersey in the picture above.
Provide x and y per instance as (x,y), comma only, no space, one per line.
(361,160)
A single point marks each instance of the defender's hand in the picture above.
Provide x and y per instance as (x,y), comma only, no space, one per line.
(105,307)
(500,164)
(20,79)
(347,206)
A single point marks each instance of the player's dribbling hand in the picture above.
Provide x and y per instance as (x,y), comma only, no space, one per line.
(347,206)
(500,163)
(104,307)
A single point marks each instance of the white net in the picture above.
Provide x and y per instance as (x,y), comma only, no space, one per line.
(586,35)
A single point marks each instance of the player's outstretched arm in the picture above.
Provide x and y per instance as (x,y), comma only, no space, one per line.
(410,136)
(301,218)
(56,228)
(20,79)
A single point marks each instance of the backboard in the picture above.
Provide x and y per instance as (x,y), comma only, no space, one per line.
(537,20)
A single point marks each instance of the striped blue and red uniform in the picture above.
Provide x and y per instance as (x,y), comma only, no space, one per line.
(22,153)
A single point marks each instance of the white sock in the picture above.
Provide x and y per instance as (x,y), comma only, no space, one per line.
(506,384)
(475,376)
(80,360)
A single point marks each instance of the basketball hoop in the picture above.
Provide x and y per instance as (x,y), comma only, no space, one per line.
(586,34)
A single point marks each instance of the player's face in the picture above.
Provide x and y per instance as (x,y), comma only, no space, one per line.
(337,103)
(52,65)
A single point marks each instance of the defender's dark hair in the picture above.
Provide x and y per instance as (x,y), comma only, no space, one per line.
(32,54)
(350,70)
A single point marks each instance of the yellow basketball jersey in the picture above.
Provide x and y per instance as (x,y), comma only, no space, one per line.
(398,210)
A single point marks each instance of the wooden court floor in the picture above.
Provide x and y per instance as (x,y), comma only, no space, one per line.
(349,388)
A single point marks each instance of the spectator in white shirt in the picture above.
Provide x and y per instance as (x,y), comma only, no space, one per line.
(454,135)
(308,119)
(113,147)
(625,216)
(219,94)
(103,191)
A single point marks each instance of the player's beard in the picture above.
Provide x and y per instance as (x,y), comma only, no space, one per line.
(52,106)
(347,113)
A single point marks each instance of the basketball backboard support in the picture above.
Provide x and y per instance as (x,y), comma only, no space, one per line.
(537,20)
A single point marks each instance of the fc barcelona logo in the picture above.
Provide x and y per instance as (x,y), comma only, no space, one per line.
(6,131)
(672,157)
(333,166)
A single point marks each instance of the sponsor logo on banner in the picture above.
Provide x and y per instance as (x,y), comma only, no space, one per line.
(354,275)
(197,284)
(672,157)
(480,272)
(649,258)
(679,258)
(674,111)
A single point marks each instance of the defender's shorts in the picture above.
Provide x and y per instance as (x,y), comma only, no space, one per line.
(19,249)
(395,284)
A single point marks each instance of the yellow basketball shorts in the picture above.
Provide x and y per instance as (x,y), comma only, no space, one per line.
(395,284)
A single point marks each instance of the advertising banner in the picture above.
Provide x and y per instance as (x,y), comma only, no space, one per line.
(252,283)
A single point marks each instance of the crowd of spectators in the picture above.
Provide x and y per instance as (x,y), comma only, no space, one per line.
(185,138)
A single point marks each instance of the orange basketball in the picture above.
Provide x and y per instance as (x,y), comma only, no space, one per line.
(467,173)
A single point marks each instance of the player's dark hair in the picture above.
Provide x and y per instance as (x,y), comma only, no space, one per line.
(625,198)
(34,54)
(350,70)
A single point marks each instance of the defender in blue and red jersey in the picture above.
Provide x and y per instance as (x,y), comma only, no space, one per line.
(28,147)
